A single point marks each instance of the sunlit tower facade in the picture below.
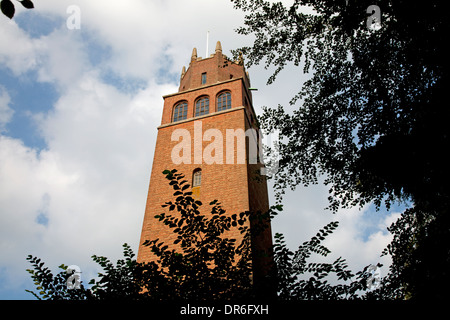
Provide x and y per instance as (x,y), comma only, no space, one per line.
(209,132)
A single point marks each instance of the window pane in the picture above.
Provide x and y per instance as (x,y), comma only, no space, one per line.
(180,112)
(203,78)
(197,178)
(224,101)
(202,106)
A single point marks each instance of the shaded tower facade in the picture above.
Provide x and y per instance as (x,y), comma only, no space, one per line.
(202,136)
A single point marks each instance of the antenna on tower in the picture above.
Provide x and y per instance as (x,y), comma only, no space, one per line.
(207,44)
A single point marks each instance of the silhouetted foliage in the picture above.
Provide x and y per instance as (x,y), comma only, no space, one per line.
(371,118)
(50,286)
(207,265)
(301,280)
(9,10)
(203,264)
(421,264)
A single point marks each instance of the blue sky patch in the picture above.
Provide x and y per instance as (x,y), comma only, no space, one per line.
(97,50)
(123,84)
(37,25)
(28,98)
(374,218)
(42,219)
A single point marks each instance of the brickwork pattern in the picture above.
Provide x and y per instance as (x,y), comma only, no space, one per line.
(236,186)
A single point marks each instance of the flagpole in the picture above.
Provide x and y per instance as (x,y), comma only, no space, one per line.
(207,44)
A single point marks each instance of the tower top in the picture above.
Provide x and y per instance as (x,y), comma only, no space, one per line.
(211,70)
(194,54)
(218,47)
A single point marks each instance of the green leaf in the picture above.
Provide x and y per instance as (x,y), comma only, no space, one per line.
(7,8)
(27,4)
(279,207)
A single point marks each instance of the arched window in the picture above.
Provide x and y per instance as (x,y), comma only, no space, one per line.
(224,101)
(180,111)
(202,106)
(197,178)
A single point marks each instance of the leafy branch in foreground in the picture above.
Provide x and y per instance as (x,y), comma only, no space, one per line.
(293,270)
(203,264)
(50,286)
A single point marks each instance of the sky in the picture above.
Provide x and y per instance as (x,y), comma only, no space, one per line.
(80,101)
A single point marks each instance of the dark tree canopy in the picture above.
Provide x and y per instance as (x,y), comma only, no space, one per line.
(372,118)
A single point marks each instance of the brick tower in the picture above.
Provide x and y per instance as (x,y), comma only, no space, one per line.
(210,112)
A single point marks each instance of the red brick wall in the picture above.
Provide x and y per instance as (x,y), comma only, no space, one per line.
(235,86)
(217,68)
(234,185)
(227,183)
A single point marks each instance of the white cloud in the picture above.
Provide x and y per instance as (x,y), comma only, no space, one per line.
(91,182)
(62,58)
(17,49)
(144,34)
